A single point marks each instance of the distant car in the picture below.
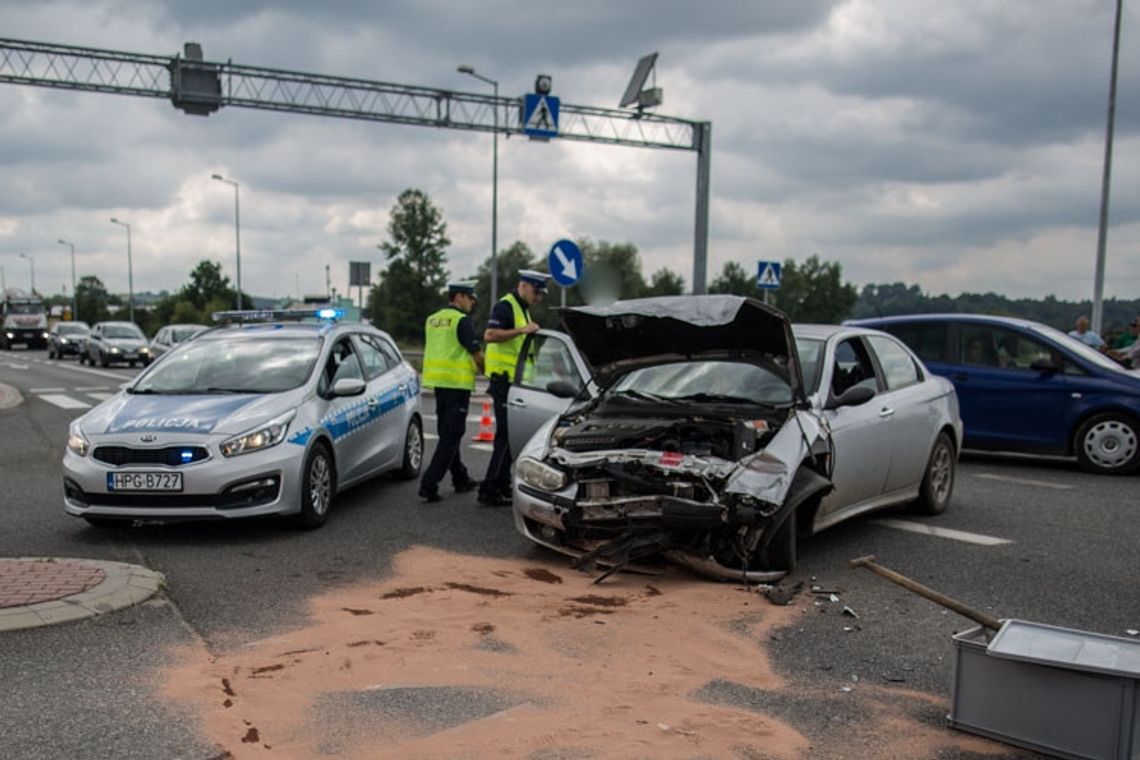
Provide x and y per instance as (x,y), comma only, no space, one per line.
(1024,386)
(269,418)
(170,336)
(67,339)
(702,429)
(115,343)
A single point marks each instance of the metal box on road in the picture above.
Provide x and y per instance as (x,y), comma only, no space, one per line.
(1067,693)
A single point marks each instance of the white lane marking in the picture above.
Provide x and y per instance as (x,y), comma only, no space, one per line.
(481,446)
(92,371)
(46,390)
(102,396)
(930,530)
(470,417)
(16,366)
(431,437)
(1024,481)
(65,402)
(85,388)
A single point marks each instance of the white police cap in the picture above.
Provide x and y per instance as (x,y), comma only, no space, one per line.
(467,287)
(535,278)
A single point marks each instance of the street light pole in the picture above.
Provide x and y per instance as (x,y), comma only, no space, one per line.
(32,261)
(74,296)
(1106,182)
(470,71)
(237,230)
(130,272)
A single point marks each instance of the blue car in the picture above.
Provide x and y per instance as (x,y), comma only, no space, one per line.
(1025,386)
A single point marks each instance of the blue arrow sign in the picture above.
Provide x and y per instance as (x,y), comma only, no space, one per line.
(768,276)
(565,261)
(540,115)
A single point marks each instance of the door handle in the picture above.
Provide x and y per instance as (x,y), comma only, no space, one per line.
(518,402)
(885,412)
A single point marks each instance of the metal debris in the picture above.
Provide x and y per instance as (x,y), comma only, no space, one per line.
(850,612)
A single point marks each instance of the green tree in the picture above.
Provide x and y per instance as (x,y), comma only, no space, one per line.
(207,283)
(814,291)
(412,284)
(507,264)
(610,271)
(733,280)
(91,299)
(665,282)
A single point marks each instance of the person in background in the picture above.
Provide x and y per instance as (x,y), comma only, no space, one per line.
(507,328)
(1130,356)
(1087,336)
(451,359)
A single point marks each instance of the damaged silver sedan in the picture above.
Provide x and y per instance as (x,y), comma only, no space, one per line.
(702,430)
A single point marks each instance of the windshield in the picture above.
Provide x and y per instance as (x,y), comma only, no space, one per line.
(122,331)
(810,351)
(179,334)
(26,308)
(233,365)
(73,330)
(704,382)
(1083,350)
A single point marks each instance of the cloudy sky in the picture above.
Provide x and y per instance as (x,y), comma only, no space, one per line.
(958,146)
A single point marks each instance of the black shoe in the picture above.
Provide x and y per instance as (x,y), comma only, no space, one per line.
(430,496)
(467,487)
(493,500)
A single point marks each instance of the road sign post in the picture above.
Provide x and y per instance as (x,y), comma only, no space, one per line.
(768,278)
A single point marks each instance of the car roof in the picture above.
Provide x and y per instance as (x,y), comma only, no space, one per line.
(823,332)
(268,330)
(948,317)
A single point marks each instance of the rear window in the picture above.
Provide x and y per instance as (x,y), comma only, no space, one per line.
(927,339)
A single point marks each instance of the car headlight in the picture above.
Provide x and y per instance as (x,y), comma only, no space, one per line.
(269,434)
(114,350)
(535,473)
(77,442)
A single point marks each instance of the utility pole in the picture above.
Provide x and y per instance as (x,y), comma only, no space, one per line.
(1106,181)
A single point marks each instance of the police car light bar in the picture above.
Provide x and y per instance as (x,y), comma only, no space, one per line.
(276,315)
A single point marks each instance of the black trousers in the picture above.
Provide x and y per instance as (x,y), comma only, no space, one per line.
(451,422)
(498,477)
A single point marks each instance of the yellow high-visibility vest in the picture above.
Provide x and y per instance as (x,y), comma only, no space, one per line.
(447,364)
(502,357)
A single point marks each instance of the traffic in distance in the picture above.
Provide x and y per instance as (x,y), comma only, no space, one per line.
(704,430)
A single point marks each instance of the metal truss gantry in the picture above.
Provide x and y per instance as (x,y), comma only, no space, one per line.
(201,87)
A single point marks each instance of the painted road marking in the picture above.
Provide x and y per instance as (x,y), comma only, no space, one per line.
(64,402)
(930,530)
(85,388)
(102,396)
(46,390)
(1024,481)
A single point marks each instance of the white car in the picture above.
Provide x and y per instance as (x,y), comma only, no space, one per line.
(262,418)
(704,430)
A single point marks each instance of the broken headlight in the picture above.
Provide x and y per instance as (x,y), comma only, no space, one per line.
(538,475)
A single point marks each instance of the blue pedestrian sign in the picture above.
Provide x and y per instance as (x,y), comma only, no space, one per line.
(768,276)
(565,261)
(540,115)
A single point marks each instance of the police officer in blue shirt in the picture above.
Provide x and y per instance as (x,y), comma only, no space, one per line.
(507,328)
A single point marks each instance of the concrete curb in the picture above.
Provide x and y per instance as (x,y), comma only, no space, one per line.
(125,585)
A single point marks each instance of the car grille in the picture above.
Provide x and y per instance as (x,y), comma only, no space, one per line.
(251,493)
(171,456)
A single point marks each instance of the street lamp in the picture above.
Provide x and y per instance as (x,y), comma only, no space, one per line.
(32,261)
(130,272)
(470,71)
(237,230)
(74,296)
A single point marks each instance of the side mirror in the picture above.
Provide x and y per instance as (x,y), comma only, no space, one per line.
(854,396)
(562,389)
(1045,365)
(349,386)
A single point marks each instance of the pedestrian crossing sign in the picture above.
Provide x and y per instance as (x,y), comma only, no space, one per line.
(540,116)
(768,276)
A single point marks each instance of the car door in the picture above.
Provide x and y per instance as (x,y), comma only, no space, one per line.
(345,415)
(1004,402)
(387,390)
(530,402)
(861,435)
(913,418)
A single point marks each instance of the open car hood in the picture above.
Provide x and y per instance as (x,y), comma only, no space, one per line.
(626,335)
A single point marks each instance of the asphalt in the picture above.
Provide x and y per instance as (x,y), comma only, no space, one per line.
(38,591)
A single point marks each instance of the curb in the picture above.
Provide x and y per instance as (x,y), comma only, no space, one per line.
(123,585)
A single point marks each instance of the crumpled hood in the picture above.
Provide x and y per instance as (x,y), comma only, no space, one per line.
(195,415)
(625,335)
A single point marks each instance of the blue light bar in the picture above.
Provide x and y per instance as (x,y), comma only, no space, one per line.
(276,315)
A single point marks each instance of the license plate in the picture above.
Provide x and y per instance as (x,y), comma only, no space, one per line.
(144,481)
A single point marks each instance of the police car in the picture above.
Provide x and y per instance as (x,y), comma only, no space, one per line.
(272,413)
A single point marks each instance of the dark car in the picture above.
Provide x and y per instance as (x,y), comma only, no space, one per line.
(115,342)
(1024,386)
(170,336)
(67,339)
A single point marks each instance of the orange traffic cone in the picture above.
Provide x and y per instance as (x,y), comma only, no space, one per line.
(486,426)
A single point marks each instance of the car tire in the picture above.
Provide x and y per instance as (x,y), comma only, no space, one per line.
(938,480)
(1108,444)
(51,352)
(318,486)
(103,360)
(413,452)
(780,552)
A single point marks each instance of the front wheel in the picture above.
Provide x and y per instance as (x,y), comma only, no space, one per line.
(938,481)
(1108,443)
(318,486)
(413,452)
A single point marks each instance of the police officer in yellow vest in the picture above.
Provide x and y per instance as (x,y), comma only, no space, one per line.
(451,359)
(507,328)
